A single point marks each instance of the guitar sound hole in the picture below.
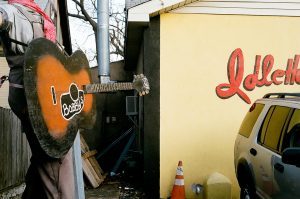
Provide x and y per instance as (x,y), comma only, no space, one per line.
(74,92)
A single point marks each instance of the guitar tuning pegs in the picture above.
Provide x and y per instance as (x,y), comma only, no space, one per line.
(141,84)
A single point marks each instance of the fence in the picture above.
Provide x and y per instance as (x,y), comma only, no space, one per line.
(14,150)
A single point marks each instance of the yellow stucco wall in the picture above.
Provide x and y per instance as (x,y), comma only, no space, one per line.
(198,127)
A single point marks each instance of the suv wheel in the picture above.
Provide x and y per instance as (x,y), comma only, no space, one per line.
(247,192)
(246,183)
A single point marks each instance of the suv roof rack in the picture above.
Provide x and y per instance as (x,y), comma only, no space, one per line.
(282,95)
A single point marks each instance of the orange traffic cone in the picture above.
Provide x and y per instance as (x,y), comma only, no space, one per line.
(178,191)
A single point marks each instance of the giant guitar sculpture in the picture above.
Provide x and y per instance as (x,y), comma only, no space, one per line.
(59,94)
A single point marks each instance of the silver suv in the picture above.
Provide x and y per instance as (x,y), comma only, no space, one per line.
(267,148)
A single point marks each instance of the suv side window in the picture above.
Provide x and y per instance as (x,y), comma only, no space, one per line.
(250,119)
(265,125)
(273,126)
(292,135)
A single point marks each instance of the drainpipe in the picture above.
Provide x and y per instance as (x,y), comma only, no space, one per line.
(103,40)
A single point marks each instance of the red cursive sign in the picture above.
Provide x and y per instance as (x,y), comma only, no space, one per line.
(235,71)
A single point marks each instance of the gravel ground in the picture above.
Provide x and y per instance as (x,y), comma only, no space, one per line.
(116,188)
(112,188)
(131,193)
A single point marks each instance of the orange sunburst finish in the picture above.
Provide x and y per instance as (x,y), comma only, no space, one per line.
(57,105)
(51,72)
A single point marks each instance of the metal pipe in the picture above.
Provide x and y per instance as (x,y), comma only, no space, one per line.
(103,40)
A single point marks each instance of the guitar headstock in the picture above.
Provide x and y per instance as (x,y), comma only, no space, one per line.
(141,84)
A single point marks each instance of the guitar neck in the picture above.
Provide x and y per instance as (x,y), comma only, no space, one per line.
(104,88)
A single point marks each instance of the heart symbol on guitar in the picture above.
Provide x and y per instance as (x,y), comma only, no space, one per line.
(59,95)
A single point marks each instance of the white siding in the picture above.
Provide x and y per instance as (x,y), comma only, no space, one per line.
(132,3)
(243,7)
(4,69)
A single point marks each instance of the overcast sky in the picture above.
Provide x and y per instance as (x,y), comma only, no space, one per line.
(82,34)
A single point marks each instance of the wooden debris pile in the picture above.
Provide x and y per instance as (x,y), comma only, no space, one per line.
(91,169)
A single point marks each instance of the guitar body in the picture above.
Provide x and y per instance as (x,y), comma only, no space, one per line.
(56,101)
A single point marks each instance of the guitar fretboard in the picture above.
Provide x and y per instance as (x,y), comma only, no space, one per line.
(110,87)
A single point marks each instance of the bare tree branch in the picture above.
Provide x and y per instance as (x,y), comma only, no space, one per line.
(77,16)
(117,27)
(85,14)
(94,4)
(85,11)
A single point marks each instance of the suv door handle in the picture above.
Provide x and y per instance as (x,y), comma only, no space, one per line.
(253,152)
(279,167)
